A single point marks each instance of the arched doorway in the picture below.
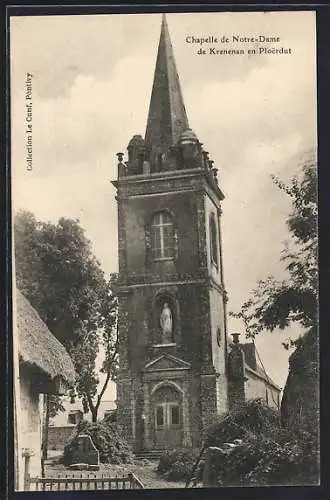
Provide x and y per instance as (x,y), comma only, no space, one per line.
(167,417)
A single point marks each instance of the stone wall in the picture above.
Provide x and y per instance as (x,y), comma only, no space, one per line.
(258,388)
(218,339)
(244,382)
(236,375)
(138,215)
(208,401)
(300,405)
(30,423)
(217,307)
(125,415)
(194,289)
(58,437)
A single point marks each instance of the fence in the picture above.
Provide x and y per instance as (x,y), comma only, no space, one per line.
(83,482)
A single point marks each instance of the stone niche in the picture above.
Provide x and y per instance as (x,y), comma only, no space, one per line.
(165,319)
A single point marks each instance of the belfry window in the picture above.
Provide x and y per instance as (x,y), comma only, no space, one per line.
(213,240)
(162,236)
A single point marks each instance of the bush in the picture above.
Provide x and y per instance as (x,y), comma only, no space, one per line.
(111,418)
(177,465)
(268,455)
(295,462)
(113,448)
(254,416)
(260,461)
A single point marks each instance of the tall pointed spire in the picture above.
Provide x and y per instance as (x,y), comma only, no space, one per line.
(167,117)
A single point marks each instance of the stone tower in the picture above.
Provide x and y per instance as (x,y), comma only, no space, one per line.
(172,323)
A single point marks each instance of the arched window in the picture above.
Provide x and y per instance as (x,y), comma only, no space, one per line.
(162,236)
(213,240)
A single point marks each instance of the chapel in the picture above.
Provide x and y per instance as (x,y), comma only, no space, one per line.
(173,348)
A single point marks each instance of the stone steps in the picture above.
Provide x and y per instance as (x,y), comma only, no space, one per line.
(150,454)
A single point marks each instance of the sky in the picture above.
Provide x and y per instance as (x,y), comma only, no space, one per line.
(91,86)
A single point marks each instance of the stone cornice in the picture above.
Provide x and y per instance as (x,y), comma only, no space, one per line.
(126,283)
(141,178)
(168,182)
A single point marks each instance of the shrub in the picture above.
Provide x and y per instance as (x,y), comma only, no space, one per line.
(113,448)
(295,462)
(254,416)
(111,418)
(260,461)
(268,454)
(177,465)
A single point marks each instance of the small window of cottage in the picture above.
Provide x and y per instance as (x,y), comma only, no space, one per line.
(72,418)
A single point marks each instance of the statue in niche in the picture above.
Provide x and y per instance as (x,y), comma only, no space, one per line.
(166,323)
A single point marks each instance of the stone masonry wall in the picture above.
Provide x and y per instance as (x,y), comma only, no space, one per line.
(188,279)
(30,424)
(256,388)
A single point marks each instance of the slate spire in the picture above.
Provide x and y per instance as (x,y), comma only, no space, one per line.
(167,117)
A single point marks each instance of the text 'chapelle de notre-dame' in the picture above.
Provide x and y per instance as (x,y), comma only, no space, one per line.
(238,45)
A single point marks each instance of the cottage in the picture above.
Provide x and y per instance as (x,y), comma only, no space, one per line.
(63,424)
(42,366)
(247,378)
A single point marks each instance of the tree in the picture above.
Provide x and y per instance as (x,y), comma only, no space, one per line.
(57,271)
(276,304)
(84,354)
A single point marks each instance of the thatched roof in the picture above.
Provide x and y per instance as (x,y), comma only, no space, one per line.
(38,346)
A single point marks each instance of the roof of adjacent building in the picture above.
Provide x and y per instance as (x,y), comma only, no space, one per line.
(253,366)
(260,372)
(37,345)
(167,117)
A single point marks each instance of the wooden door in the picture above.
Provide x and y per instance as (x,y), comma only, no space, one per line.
(168,425)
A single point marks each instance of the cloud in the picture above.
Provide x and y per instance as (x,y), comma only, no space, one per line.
(61,47)
(266,107)
(94,119)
